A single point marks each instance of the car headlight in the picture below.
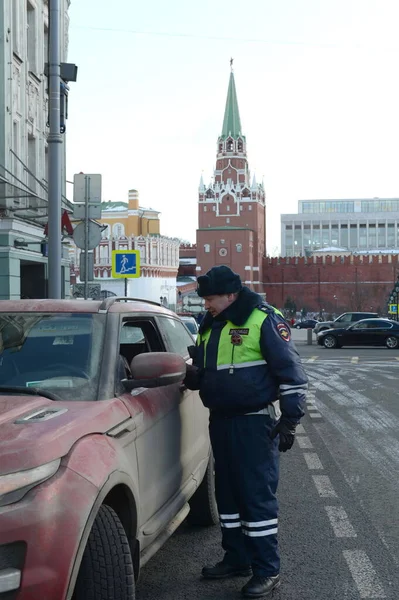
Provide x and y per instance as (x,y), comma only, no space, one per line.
(14,486)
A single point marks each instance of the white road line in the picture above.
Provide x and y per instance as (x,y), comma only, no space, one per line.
(304,442)
(354,360)
(312,460)
(312,359)
(324,486)
(311,406)
(363,574)
(300,429)
(315,415)
(340,522)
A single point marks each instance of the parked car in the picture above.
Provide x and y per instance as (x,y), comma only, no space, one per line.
(305,324)
(103,451)
(367,332)
(343,320)
(191,325)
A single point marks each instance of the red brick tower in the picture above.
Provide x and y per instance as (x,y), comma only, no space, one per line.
(231,209)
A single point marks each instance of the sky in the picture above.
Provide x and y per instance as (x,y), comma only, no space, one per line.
(318,91)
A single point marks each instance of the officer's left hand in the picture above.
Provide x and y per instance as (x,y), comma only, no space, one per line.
(286,431)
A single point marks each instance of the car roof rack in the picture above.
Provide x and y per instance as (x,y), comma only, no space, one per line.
(108,302)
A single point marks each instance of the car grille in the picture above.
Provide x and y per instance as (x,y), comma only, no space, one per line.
(12,556)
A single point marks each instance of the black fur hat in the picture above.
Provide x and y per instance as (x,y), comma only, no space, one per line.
(218,281)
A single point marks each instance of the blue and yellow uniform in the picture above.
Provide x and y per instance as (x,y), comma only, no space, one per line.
(250,377)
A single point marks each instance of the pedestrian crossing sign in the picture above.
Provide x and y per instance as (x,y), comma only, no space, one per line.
(393,309)
(125,263)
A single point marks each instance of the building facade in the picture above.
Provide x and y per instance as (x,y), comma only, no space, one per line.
(131,227)
(24,35)
(347,225)
(231,209)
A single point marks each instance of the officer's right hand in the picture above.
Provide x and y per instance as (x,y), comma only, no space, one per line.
(286,431)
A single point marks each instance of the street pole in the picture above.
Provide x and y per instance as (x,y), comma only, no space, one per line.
(125,287)
(54,153)
(87,197)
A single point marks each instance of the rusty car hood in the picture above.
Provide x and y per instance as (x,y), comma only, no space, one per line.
(27,442)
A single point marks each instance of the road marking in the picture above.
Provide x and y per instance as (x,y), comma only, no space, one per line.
(340,522)
(311,406)
(304,442)
(312,359)
(312,460)
(315,415)
(300,429)
(354,360)
(363,574)
(396,358)
(324,486)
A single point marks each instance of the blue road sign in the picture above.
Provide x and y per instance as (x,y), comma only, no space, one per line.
(125,263)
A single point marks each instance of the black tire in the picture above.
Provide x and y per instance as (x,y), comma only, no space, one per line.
(392,342)
(297,326)
(203,507)
(106,571)
(330,341)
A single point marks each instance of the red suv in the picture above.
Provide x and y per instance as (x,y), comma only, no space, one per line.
(103,450)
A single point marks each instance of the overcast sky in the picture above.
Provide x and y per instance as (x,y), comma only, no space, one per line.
(317,84)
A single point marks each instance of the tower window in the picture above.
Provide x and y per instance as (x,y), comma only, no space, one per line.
(230,145)
(228,220)
(205,208)
(240,145)
(239,247)
(213,208)
(249,206)
(207,248)
(228,208)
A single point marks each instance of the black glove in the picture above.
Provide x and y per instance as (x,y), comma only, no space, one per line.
(286,430)
(192,378)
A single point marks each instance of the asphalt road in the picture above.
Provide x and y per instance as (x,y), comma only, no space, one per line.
(339,493)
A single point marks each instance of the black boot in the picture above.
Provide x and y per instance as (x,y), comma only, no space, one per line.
(259,587)
(222,570)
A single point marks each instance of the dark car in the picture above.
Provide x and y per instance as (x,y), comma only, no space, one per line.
(344,320)
(367,332)
(306,324)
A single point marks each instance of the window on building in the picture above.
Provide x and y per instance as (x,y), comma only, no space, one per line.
(228,208)
(15,26)
(106,232)
(228,220)
(118,230)
(207,248)
(391,235)
(229,145)
(205,208)
(249,206)
(362,236)
(213,208)
(381,235)
(353,236)
(372,236)
(240,145)
(45,42)
(344,237)
(239,247)
(32,150)
(222,241)
(31,37)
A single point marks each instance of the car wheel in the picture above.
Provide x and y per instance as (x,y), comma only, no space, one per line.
(297,326)
(106,570)
(391,342)
(330,342)
(203,507)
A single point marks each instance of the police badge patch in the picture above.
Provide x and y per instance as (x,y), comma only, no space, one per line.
(283,331)
(236,334)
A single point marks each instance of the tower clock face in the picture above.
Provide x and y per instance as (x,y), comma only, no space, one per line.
(223,252)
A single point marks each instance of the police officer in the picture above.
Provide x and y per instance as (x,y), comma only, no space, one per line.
(250,377)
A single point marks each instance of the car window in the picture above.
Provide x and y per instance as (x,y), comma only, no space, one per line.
(380,324)
(138,336)
(176,335)
(60,352)
(360,326)
(344,318)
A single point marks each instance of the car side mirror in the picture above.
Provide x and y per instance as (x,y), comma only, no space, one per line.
(155,369)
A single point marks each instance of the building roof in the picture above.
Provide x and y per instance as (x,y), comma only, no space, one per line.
(231,122)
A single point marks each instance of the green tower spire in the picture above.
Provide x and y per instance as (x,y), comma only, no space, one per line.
(231,121)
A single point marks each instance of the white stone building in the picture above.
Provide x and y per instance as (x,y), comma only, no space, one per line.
(361,225)
(24,40)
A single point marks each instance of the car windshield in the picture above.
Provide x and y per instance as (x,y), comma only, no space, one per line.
(60,353)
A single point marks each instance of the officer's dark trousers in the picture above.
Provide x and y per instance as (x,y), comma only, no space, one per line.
(246,475)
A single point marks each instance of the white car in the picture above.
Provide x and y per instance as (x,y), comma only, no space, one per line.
(191,325)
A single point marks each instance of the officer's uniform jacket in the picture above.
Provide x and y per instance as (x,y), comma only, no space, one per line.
(246,361)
